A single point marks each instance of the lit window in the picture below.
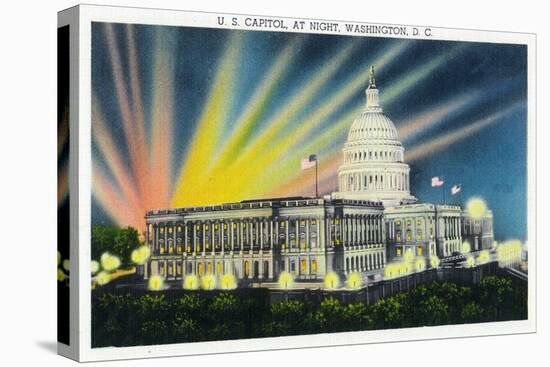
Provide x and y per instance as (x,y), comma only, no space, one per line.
(409,236)
(169,229)
(313,221)
(162,230)
(419,235)
(419,251)
(313,266)
(398,222)
(303,265)
(419,221)
(398,251)
(302,245)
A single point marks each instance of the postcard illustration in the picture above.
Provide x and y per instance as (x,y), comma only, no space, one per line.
(261,183)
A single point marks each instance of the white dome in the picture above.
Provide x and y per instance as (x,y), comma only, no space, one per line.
(373,167)
(372,125)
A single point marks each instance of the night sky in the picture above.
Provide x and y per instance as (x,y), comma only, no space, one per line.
(444,87)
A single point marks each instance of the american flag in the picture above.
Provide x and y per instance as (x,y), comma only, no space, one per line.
(437,181)
(308,162)
(455,189)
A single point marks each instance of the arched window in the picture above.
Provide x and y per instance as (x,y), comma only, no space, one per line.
(303,266)
(246,268)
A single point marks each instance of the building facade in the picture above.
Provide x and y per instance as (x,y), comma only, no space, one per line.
(372,219)
(257,240)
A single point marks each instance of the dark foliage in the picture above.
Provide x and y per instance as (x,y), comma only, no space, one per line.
(117,241)
(153,318)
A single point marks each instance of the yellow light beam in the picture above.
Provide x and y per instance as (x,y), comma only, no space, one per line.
(265,140)
(277,148)
(287,171)
(227,183)
(250,165)
(256,105)
(208,128)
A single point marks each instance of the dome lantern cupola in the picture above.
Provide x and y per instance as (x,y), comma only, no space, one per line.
(372,94)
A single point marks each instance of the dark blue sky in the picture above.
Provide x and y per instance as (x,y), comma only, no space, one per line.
(490,163)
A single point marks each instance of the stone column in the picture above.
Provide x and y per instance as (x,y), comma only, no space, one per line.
(262,232)
(307,239)
(241,223)
(287,232)
(271,236)
(231,238)
(222,239)
(297,234)
(203,245)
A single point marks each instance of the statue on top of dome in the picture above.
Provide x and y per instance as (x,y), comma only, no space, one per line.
(372,84)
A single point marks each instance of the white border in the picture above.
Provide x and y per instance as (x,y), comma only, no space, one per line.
(81,304)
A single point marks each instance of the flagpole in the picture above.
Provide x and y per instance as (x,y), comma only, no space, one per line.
(316,178)
(444,192)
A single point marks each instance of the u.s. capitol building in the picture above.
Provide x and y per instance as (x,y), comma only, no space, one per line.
(372,220)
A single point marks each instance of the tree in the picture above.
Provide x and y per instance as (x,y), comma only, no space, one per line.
(328,316)
(472,312)
(118,241)
(496,295)
(389,312)
(286,318)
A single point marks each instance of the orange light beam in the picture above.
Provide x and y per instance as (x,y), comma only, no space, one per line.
(112,201)
(161,122)
(103,139)
(130,132)
(140,175)
(443,141)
